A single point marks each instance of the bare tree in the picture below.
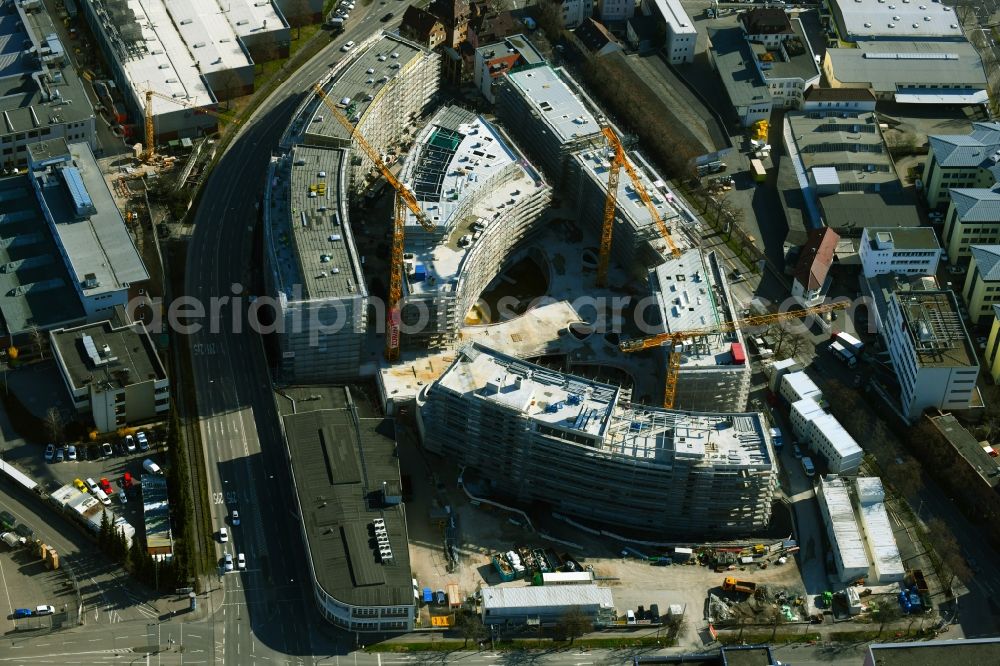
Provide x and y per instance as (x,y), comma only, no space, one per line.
(470,626)
(886,610)
(575,624)
(54,424)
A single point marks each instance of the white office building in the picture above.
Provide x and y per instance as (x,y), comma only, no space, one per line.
(935,362)
(907,251)
(680,31)
(846,544)
(575,12)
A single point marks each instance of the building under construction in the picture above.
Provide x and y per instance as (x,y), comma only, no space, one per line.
(691,293)
(584,450)
(483,199)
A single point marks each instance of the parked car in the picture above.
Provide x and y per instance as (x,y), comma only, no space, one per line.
(60,455)
(130,443)
(71,453)
(91,484)
(228,562)
(223,535)
(127,481)
(24,531)
(81,486)
(241,561)
(45,610)
(630,617)
(796,451)
(50,452)
(122,497)
(106,450)
(151,467)
(22,612)
(143,442)
(106,486)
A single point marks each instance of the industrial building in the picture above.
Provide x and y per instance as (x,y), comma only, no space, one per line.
(388,85)
(586,451)
(491,61)
(692,293)
(348,494)
(982,282)
(313,271)
(680,33)
(845,173)
(910,72)
(193,54)
(113,374)
(874,20)
(542,112)
(483,199)
(156,516)
(961,161)
(763,69)
(981,457)
(887,564)
(846,544)
(41,96)
(545,605)
(934,360)
(906,251)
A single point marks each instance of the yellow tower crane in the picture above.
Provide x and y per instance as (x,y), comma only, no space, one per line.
(618,162)
(404,200)
(150,147)
(675,338)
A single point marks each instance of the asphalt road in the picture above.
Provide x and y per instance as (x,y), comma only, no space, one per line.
(267,611)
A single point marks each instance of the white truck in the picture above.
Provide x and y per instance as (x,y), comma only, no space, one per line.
(844,354)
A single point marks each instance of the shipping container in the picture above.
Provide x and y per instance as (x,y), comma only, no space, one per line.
(739,357)
(454,598)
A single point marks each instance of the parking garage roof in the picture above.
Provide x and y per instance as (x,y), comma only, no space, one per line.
(367,74)
(314,248)
(342,450)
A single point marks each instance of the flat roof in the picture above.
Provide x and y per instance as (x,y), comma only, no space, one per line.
(96,241)
(932,322)
(252,17)
(130,357)
(801,384)
(849,141)
(153,54)
(840,439)
(849,212)
(890,66)
(961,652)
(547,596)
(686,298)
(461,170)
(913,238)
(314,247)
(734,65)
(559,107)
(843,524)
(367,74)
(896,19)
(579,406)
(800,64)
(673,13)
(23,104)
(520,44)
(974,452)
(342,451)
(35,287)
(881,542)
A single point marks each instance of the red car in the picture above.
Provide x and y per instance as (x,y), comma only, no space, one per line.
(127,481)
(106,487)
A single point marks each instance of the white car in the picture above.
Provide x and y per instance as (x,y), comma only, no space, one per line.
(92,485)
(122,497)
(241,561)
(236,518)
(223,535)
(348,46)
(45,610)
(130,443)
(143,442)
(228,562)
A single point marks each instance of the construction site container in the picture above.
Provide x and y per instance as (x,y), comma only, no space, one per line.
(454,597)
(739,357)
(758,171)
